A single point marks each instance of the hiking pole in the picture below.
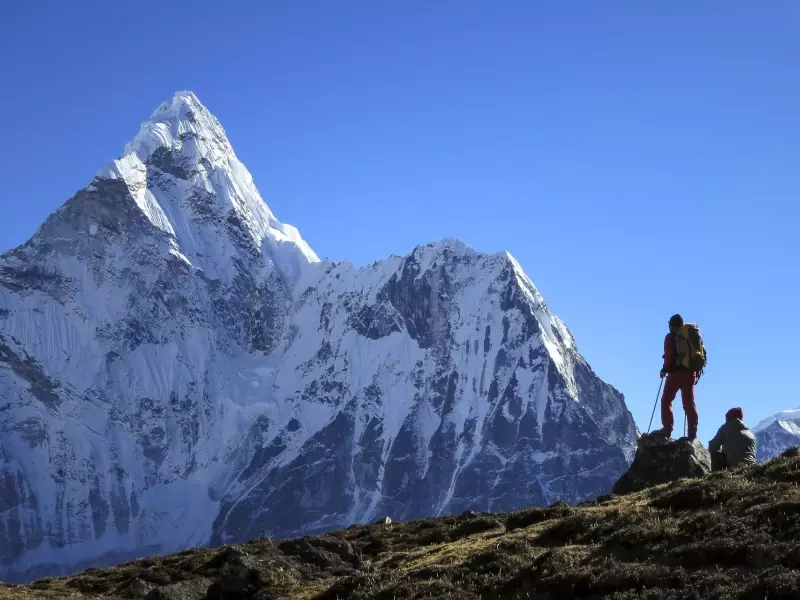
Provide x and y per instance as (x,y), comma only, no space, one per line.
(654,405)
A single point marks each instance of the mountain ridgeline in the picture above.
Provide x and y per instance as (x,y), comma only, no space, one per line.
(179,369)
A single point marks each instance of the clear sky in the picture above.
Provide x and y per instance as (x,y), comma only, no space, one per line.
(637,158)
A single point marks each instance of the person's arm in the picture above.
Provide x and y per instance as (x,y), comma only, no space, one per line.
(715,445)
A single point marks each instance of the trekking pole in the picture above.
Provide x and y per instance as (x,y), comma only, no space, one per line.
(684,424)
(654,406)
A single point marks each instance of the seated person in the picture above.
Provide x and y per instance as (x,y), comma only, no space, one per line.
(734,444)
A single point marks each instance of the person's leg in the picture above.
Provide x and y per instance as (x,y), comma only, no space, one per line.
(671,388)
(718,461)
(689,406)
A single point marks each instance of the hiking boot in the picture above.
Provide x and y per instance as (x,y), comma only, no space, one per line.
(664,432)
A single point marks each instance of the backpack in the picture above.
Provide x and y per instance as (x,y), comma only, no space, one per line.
(691,353)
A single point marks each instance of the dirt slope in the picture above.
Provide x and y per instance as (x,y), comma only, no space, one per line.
(729,535)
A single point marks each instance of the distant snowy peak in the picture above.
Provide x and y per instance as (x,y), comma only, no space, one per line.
(777,433)
(789,419)
(183,172)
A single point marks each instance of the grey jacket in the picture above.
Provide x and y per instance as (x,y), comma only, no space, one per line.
(736,442)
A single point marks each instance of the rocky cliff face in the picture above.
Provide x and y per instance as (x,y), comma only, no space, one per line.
(178,368)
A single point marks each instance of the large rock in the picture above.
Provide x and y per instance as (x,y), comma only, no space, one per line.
(660,460)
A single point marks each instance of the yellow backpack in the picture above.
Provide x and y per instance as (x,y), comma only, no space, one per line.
(691,353)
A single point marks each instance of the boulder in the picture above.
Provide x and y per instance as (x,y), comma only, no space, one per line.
(660,460)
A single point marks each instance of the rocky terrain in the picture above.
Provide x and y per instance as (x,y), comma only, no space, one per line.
(731,535)
(179,369)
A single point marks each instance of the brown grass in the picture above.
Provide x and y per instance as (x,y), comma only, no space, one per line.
(730,535)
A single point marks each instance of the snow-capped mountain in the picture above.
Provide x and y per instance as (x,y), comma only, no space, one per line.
(178,368)
(777,433)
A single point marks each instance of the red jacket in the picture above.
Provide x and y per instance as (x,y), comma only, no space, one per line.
(669,354)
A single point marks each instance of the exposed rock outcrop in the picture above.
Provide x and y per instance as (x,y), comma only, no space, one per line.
(660,460)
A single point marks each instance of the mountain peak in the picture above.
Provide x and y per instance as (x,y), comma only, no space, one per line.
(174,372)
(175,121)
(182,102)
(791,415)
(777,433)
(183,173)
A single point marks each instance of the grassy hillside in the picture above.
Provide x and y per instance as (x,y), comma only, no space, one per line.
(730,535)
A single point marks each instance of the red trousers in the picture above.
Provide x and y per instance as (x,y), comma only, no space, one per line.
(682,381)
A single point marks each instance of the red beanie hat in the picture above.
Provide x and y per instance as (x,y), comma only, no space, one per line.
(734,413)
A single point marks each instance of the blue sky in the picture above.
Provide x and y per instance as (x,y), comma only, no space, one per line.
(637,158)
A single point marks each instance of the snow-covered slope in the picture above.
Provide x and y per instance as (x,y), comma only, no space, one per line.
(178,368)
(777,433)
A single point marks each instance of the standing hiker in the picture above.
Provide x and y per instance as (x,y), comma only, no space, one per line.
(684,360)
(734,443)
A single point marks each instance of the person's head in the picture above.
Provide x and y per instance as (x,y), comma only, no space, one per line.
(675,322)
(734,413)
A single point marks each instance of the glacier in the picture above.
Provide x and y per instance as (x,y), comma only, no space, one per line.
(178,368)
